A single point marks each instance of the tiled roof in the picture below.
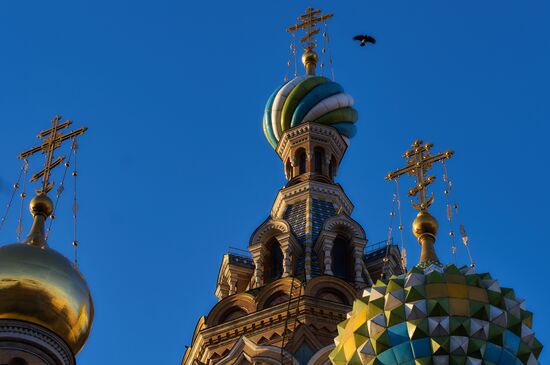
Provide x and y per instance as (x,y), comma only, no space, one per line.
(295,215)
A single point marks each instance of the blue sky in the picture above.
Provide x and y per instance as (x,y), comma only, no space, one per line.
(175,168)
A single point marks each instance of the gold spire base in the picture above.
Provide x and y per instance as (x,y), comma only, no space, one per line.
(425,230)
(309,59)
(41,207)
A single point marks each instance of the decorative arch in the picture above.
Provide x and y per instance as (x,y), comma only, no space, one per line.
(243,301)
(246,349)
(280,230)
(321,356)
(344,225)
(327,284)
(281,286)
(270,228)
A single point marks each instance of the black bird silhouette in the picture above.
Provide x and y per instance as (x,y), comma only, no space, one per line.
(364,39)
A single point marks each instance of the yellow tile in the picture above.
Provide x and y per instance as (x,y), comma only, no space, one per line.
(457,290)
(438,290)
(478,294)
(459,307)
(455,278)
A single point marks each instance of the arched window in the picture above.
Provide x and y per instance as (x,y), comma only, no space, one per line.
(276,298)
(273,264)
(288,169)
(332,168)
(301,158)
(232,313)
(318,159)
(332,295)
(341,259)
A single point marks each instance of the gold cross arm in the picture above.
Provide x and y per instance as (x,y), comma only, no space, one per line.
(41,173)
(47,132)
(413,165)
(418,164)
(57,142)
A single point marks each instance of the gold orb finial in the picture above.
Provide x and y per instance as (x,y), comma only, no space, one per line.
(41,205)
(425,223)
(309,59)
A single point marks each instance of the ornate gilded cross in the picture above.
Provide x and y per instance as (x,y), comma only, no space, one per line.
(307,22)
(420,161)
(52,139)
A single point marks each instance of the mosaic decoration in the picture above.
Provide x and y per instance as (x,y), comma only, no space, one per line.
(437,315)
(308,99)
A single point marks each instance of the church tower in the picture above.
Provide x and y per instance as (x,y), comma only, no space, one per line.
(46,308)
(280,301)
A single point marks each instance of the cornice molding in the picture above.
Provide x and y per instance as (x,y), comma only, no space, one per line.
(20,332)
(320,132)
(318,190)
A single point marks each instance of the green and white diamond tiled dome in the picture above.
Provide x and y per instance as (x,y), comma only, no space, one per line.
(308,99)
(437,315)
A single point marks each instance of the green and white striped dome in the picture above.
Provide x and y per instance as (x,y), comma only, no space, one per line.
(308,99)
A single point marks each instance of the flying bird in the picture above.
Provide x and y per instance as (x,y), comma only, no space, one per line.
(364,39)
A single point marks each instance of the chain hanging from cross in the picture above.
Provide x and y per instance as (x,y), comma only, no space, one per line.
(52,138)
(419,162)
(308,23)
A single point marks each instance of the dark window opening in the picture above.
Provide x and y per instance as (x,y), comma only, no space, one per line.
(318,158)
(301,157)
(332,168)
(273,263)
(342,259)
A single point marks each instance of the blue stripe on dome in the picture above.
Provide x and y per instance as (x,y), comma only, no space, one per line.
(347,129)
(312,98)
(268,126)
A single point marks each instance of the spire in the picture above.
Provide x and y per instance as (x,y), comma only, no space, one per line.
(308,22)
(425,225)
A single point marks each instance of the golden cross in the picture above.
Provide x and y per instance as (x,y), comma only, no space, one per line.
(420,161)
(52,139)
(308,21)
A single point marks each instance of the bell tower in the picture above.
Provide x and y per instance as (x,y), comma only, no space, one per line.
(280,300)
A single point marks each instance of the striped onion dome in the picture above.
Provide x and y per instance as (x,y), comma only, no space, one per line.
(308,99)
(439,315)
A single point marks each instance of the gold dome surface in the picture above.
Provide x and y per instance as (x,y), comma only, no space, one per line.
(41,286)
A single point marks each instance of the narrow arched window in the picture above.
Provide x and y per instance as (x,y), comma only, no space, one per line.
(332,168)
(301,157)
(341,258)
(288,169)
(318,158)
(273,265)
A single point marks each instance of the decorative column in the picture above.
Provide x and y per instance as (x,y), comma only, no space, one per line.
(327,257)
(258,271)
(358,263)
(291,249)
(232,284)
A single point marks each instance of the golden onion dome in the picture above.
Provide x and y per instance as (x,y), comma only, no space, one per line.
(41,286)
